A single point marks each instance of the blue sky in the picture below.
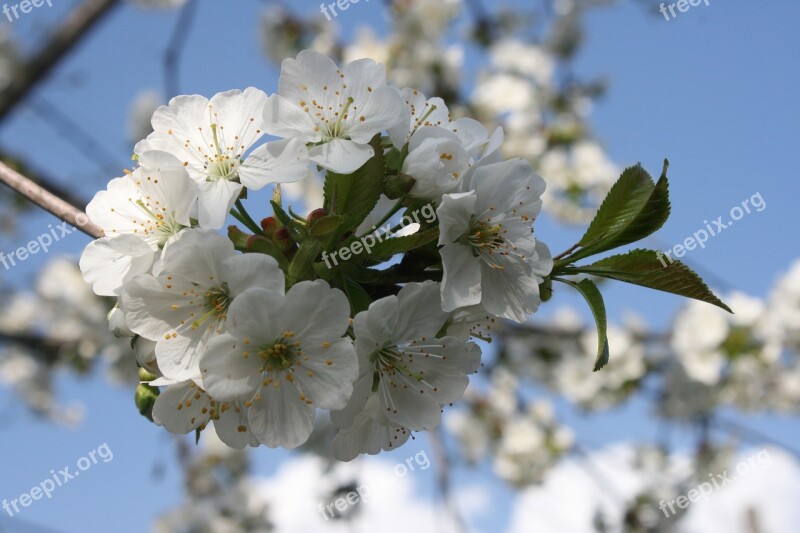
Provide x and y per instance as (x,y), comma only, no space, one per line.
(713,90)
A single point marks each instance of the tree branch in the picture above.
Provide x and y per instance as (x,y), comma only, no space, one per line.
(177,42)
(63,40)
(48,201)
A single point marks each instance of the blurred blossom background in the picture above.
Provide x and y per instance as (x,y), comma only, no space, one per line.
(583,89)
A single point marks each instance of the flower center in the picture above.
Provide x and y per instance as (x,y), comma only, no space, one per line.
(337,126)
(488,241)
(161,225)
(216,303)
(281,354)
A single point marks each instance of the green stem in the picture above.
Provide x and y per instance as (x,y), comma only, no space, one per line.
(244,217)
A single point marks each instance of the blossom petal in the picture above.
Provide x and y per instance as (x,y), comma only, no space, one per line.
(461,283)
(216,198)
(275,162)
(179,410)
(342,156)
(230,370)
(246,271)
(328,374)
(108,263)
(278,417)
(419,312)
(285,118)
(317,313)
(233,429)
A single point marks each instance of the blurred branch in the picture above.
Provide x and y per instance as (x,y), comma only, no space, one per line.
(44,182)
(443,481)
(177,42)
(48,349)
(74,134)
(48,201)
(64,39)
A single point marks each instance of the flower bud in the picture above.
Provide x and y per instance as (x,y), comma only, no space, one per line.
(270,225)
(145,398)
(237,237)
(315,215)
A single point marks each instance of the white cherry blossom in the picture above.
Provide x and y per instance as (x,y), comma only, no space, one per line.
(489,254)
(213,140)
(139,213)
(338,111)
(406,373)
(184,305)
(284,356)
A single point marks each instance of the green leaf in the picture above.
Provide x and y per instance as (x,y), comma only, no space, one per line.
(359,299)
(354,196)
(301,265)
(594,298)
(385,250)
(632,210)
(325,226)
(654,270)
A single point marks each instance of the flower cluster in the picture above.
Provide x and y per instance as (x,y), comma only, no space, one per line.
(254,331)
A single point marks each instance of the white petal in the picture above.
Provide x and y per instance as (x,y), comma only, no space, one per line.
(419,312)
(279,417)
(382,110)
(239,114)
(178,410)
(246,271)
(409,408)
(315,312)
(342,156)
(233,429)
(455,215)
(285,118)
(362,390)
(374,327)
(227,374)
(304,78)
(461,283)
(275,162)
(216,198)
(256,315)
(332,373)
(108,263)
(370,433)
(511,293)
(198,256)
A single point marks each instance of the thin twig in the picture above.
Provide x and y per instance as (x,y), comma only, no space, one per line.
(443,479)
(177,42)
(73,133)
(64,39)
(48,201)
